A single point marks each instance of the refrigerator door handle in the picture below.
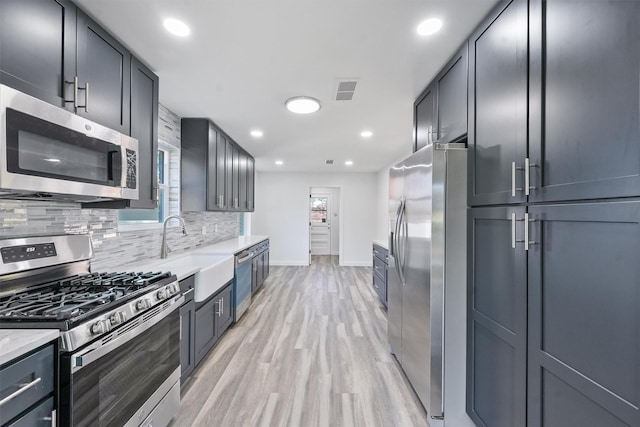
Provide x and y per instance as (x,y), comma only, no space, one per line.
(399,235)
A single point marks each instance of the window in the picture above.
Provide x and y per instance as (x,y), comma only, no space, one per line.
(135,219)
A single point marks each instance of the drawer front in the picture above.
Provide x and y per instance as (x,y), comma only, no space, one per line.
(188,283)
(379,267)
(32,374)
(40,416)
(380,252)
(381,288)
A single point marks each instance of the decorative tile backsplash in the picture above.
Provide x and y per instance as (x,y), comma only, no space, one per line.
(19,218)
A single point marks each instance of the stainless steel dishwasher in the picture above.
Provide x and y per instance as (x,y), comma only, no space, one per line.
(242,284)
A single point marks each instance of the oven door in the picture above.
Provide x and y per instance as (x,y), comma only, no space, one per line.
(47,149)
(120,382)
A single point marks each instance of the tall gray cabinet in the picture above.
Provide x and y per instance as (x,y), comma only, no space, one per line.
(554,224)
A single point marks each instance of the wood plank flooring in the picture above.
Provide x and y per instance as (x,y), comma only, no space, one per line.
(311,351)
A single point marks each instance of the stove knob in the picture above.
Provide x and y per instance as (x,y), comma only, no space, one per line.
(143,304)
(100,327)
(117,318)
(173,289)
(161,294)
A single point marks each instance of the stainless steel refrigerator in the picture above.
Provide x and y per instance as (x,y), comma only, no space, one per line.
(427,242)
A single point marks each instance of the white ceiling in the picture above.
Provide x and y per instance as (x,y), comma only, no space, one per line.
(244,58)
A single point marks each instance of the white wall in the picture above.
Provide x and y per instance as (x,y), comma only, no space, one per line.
(282,212)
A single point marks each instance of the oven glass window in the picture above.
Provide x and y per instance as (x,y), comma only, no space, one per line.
(109,391)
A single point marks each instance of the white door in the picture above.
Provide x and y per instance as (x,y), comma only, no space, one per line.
(320,224)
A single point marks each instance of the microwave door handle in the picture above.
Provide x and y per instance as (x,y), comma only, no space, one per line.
(115,167)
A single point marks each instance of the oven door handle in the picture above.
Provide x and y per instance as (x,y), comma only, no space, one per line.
(97,350)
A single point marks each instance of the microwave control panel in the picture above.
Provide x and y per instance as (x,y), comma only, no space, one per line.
(27,252)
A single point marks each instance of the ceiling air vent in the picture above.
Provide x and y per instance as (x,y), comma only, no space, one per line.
(346,89)
(328,162)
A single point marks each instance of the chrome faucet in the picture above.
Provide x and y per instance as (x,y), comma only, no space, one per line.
(164,250)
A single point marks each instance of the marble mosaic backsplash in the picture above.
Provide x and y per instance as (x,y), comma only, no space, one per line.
(19,218)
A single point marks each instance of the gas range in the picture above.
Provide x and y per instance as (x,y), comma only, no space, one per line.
(85,306)
(119,347)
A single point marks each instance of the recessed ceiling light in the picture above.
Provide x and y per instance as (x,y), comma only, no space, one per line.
(302,105)
(366,134)
(429,26)
(176,27)
(256,133)
(279,162)
(349,163)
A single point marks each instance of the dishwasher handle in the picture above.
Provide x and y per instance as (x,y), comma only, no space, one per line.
(243,257)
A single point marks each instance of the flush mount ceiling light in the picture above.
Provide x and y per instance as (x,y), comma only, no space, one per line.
(256,133)
(176,27)
(302,105)
(366,134)
(279,162)
(429,26)
(349,163)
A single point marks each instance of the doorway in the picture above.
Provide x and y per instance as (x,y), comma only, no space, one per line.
(324,225)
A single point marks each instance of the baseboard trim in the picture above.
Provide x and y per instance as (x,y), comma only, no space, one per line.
(288,263)
(355,263)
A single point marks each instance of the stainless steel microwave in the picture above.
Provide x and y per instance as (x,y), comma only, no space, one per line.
(49,152)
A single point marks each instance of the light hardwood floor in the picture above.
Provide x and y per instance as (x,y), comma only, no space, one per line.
(311,351)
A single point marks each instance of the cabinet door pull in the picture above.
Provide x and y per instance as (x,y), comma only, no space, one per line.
(222,306)
(527,171)
(86,95)
(52,418)
(22,389)
(528,242)
(514,168)
(219,312)
(75,93)
(514,241)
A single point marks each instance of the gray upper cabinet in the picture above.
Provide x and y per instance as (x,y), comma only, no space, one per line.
(75,64)
(144,127)
(39,63)
(452,98)
(193,164)
(221,173)
(250,183)
(497,135)
(440,112)
(104,65)
(211,165)
(584,315)
(424,113)
(242,181)
(584,106)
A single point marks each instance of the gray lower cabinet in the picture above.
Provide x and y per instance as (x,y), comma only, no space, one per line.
(212,318)
(553,328)
(187,330)
(496,321)
(584,315)
(380,271)
(260,265)
(35,375)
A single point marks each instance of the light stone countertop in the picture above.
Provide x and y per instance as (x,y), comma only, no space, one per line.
(383,243)
(16,342)
(184,270)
